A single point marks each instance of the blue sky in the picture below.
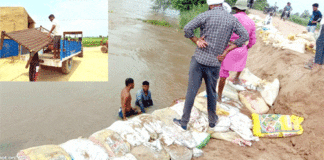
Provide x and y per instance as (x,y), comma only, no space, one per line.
(299,5)
(89,16)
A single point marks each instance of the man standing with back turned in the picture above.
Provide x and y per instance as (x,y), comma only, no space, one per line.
(216,28)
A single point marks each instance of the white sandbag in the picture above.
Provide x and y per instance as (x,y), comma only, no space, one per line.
(178,152)
(154,146)
(173,134)
(309,36)
(232,110)
(297,45)
(242,125)
(231,137)
(197,152)
(166,115)
(150,122)
(84,149)
(133,132)
(145,153)
(254,102)
(249,77)
(270,91)
(229,91)
(179,109)
(128,156)
(112,142)
(196,121)
(201,138)
(200,125)
(237,87)
(223,124)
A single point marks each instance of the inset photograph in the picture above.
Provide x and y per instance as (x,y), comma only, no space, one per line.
(64,40)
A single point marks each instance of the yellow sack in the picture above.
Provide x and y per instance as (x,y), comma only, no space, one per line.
(201,104)
(46,152)
(276,125)
(112,142)
(254,102)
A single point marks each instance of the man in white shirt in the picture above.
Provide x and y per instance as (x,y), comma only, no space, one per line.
(57,35)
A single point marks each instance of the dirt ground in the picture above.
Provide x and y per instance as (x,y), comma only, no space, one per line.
(301,93)
(92,67)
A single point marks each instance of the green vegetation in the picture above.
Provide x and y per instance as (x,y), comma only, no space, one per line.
(92,41)
(260,4)
(158,22)
(187,16)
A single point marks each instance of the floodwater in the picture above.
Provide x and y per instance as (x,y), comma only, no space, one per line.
(41,113)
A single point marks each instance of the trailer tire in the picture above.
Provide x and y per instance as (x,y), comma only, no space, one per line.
(81,54)
(67,66)
(104,49)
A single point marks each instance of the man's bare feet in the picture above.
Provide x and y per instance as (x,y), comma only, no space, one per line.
(237,81)
(219,99)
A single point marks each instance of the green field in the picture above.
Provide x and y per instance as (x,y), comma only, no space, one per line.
(92,41)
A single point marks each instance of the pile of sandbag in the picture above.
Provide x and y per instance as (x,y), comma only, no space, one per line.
(271,36)
(155,136)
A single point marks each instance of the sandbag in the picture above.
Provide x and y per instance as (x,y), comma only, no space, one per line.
(253,101)
(201,104)
(173,134)
(197,121)
(197,152)
(270,91)
(178,152)
(229,92)
(128,156)
(201,138)
(84,149)
(249,77)
(166,115)
(276,125)
(150,122)
(134,133)
(45,152)
(298,46)
(145,153)
(242,124)
(223,124)
(231,137)
(112,142)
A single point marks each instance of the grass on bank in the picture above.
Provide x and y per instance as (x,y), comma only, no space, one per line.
(158,22)
(93,41)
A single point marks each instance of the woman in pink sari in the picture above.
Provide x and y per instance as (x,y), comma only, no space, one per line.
(236,59)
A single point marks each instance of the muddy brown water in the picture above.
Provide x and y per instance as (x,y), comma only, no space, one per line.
(34,114)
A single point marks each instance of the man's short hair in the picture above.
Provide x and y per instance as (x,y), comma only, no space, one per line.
(146,83)
(288,3)
(315,5)
(129,81)
(52,15)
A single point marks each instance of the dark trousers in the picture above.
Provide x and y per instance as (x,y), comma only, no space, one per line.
(32,68)
(146,103)
(197,72)
(319,56)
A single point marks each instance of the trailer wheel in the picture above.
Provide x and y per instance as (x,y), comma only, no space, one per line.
(81,54)
(67,66)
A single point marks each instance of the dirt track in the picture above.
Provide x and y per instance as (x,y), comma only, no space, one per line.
(301,93)
(92,67)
